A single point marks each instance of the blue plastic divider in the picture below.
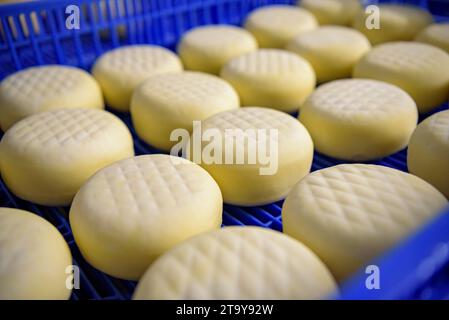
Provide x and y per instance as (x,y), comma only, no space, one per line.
(35,34)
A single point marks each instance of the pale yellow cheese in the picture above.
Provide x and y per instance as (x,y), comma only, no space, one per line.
(396,23)
(435,34)
(271,78)
(274,26)
(237,263)
(359,119)
(46,157)
(134,210)
(43,88)
(35,261)
(336,12)
(351,213)
(420,69)
(286,159)
(208,48)
(331,50)
(122,70)
(428,151)
(173,101)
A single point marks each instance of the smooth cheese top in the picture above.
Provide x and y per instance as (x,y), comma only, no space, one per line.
(33,257)
(208,48)
(361,100)
(332,38)
(397,22)
(278,67)
(219,39)
(237,263)
(280,23)
(401,12)
(406,63)
(435,34)
(290,132)
(331,50)
(187,95)
(139,196)
(408,57)
(336,12)
(66,136)
(130,65)
(43,88)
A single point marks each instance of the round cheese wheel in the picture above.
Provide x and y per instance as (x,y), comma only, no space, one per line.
(44,88)
(122,70)
(46,157)
(428,151)
(435,34)
(271,78)
(396,23)
(237,263)
(131,212)
(336,12)
(173,101)
(35,261)
(274,26)
(351,213)
(256,155)
(331,50)
(420,69)
(359,119)
(208,48)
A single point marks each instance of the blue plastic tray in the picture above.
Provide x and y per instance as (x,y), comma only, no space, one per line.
(417,268)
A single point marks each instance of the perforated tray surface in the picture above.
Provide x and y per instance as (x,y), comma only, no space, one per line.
(162,22)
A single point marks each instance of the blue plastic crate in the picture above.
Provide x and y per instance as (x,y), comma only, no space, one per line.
(35,34)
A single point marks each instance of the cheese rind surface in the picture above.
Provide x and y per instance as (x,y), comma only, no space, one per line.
(271,78)
(122,70)
(419,69)
(335,12)
(359,119)
(274,26)
(237,263)
(46,157)
(134,210)
(35,260)
(428,151)
(331,50)
(269,151)
(435,34)
(209,48)
(350,213)
(173,101)
(396,23)
(44,88)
